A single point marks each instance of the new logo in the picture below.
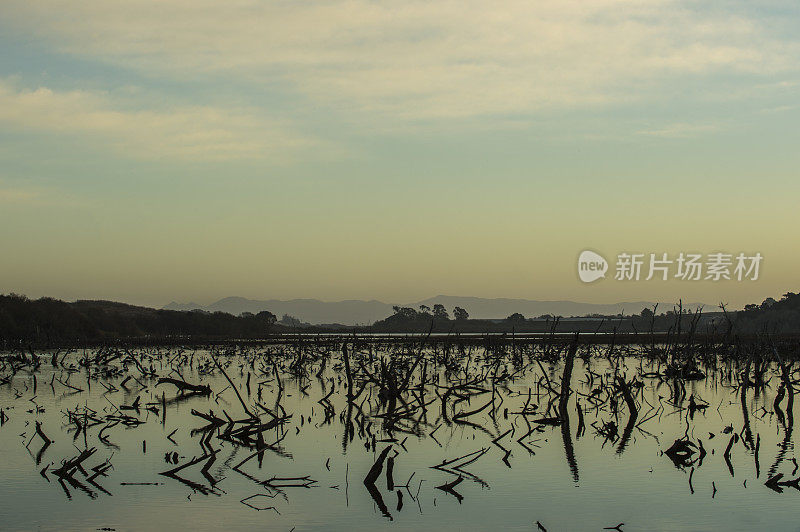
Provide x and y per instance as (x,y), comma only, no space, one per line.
(591,266)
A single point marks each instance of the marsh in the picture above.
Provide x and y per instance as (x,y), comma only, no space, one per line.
(316,435)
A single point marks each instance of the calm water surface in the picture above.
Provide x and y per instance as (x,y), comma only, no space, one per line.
(514,471)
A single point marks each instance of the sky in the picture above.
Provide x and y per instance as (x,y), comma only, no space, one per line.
(157,150)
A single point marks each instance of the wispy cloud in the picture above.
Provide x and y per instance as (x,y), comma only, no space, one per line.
(186,132)
(18,195)
(418,59)
(680,130)
(780,109)
(34,196)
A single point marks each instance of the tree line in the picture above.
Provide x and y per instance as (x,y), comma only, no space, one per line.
(49,321)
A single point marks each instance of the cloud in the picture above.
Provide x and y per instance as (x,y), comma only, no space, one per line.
(35,196)
(680,130)
(780,109)
(18,195)
(186,132)
(419,60)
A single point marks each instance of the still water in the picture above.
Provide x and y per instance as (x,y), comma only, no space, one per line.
(591,468)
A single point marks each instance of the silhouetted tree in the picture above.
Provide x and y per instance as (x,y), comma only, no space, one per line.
(516,318)
(440,313)
(290,321)
(767,303)
(460,314)
(405,313)
(268,317)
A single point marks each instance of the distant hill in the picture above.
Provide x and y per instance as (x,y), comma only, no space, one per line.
(357,312)
(174,305)
(48,321)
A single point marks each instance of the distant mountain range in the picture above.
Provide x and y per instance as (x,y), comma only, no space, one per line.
(357,312)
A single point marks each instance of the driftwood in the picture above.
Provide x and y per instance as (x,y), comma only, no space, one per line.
(448,487)
(377,467)
(183,386)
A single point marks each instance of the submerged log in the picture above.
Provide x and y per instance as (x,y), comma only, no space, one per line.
(183,386)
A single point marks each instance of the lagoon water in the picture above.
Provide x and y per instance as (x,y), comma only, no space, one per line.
(514,473)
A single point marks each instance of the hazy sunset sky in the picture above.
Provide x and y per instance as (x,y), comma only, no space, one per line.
(189,150)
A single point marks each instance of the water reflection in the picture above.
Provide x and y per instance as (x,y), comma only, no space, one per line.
(446,435)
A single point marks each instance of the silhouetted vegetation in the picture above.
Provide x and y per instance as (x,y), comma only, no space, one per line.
(516,318)
(771,316)
(51,322)
(406,319)
(48,321)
